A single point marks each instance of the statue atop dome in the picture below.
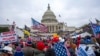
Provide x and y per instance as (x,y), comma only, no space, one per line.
(48,6)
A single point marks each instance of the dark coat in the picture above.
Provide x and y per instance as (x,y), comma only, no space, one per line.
(50,52)
(38,53)
(72,52)
(97,53)
(28,51)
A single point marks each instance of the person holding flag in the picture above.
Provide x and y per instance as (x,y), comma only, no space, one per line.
(96,31)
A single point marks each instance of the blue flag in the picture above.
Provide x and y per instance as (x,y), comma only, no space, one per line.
(95,28)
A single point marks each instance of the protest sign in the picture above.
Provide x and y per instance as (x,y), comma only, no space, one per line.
(8,36)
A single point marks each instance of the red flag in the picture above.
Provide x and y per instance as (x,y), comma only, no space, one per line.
(78,41)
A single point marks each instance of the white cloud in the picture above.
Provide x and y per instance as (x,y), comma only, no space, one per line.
(74,13)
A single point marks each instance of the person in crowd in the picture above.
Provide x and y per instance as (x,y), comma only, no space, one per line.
(18,52)
(28,50)
(70,47)
(58,48)
(41,48)
(8,50)
(50,51)
(96,50)
(78,41)
(22,44)
(0,47)
(73,46)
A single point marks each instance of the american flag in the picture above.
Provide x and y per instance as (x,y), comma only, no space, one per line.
(39,26)
(60,49)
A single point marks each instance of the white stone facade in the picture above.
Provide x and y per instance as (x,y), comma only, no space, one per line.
(49,20)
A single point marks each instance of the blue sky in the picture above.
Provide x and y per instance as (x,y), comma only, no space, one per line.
(73,12)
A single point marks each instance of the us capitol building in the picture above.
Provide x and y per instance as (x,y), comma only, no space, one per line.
(49,19)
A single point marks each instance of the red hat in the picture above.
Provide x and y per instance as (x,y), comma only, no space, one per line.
(40,45)
(55,40)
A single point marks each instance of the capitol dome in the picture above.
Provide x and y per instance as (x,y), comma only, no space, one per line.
(49,16)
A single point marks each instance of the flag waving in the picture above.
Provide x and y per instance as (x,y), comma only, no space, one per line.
(95,28)
(38,26)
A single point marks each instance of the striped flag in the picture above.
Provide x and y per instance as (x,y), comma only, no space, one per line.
(38,26)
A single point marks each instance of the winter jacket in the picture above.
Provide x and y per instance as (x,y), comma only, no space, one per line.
(28,51)
(50,52)
(38,52)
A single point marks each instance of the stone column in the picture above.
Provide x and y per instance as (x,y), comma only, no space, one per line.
(49,28)
(56,28)
(52,28)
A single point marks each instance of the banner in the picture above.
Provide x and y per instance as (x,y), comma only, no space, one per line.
(8,36)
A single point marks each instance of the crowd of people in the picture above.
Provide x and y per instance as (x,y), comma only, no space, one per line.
(45,47)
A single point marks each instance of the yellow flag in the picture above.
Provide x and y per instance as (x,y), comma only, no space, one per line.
(26,32)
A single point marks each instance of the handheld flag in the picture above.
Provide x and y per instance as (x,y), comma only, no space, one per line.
(60,49)
(95,28)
